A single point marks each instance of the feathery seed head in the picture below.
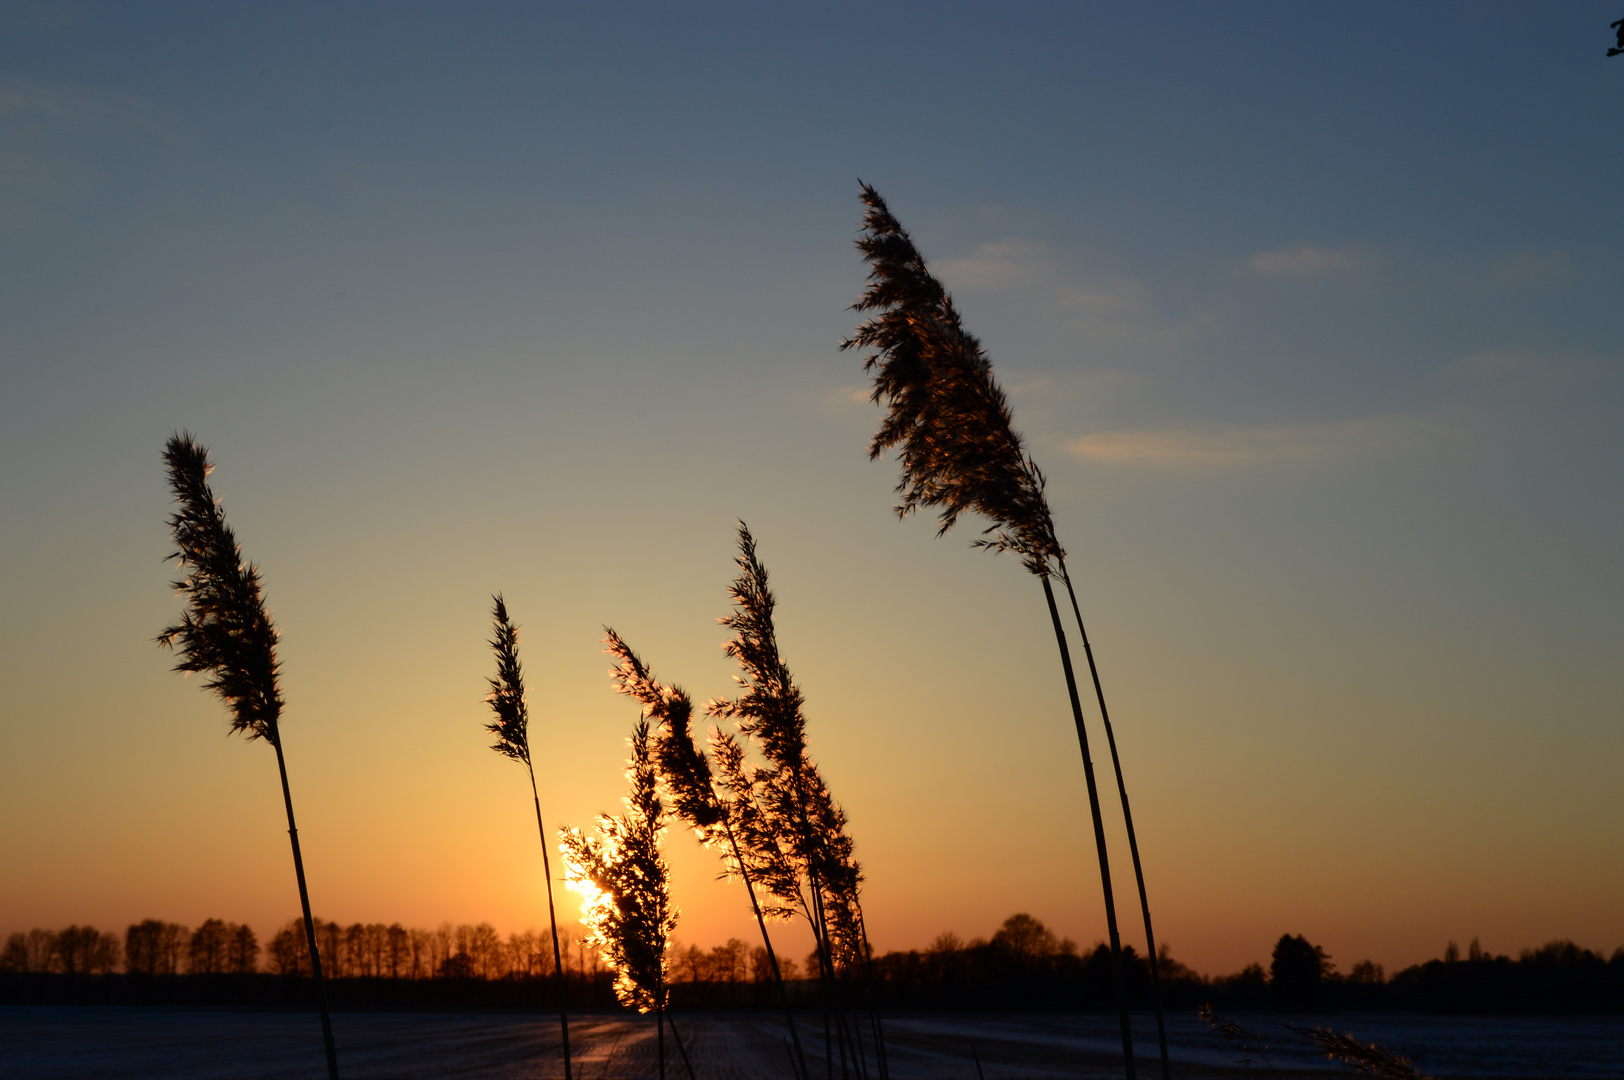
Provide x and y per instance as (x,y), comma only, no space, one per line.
(769,709)
(624,883)
(945,413)
(1361,1057)
(506,696)
(789,827)
(225,630)
(1243,1039)
(687,773)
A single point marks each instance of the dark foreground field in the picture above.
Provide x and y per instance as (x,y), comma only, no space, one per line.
(51,1042)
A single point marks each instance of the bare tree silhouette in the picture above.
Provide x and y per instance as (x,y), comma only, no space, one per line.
(226,633)
(512,731)
(954,433)
(208,950)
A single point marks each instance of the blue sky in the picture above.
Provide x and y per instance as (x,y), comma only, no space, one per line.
(1308,312)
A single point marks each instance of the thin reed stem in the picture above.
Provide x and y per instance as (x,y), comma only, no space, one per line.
(874,1005)
(1127,817)
(552,923)
(857,1047)
(677,1038)
(826,967)
(512,731)
(767,943)
(1099,830)
(310,924)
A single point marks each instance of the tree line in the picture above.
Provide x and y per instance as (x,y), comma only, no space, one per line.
(1021,965)
(150,947)
(357,951)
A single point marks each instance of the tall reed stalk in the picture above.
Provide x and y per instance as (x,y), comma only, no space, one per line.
(512,731)
(1127,819)
(692,785)
(226,633)
(953,429)
(624,883)
(798,818)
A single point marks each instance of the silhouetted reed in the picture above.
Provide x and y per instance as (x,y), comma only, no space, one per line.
(1360,1057)
(226,633)
(692,786)
(952,428)
(787,814)
(1248,1042)
(512,731)
(624,882)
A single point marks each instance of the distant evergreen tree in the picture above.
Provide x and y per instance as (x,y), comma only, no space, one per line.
(1297,970)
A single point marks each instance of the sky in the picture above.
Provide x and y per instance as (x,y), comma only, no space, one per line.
(1307,312)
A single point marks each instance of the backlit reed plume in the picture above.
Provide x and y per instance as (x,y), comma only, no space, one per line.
(623,881)
(953,431)
(1248,1042)
(512,731)
(787,814)
(1361,1057)
(691,784)
(226,634)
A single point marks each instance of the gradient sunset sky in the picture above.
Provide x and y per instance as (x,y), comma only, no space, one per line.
(1311,314)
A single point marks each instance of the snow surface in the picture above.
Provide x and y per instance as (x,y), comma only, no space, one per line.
(91,1042)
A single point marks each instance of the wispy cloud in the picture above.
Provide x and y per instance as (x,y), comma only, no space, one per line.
(1006,264)
(845,403)
(1032,266)
(1102,307)
(1302,263)
(1398,433)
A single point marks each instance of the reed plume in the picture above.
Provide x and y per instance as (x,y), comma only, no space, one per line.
(1244,1039)
(226,634)
(512,731)
(692,785)
(952,428)
(797,826)
(1361,1057)
(624,883)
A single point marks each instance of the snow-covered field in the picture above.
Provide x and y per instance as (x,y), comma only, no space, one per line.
(133,1042)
